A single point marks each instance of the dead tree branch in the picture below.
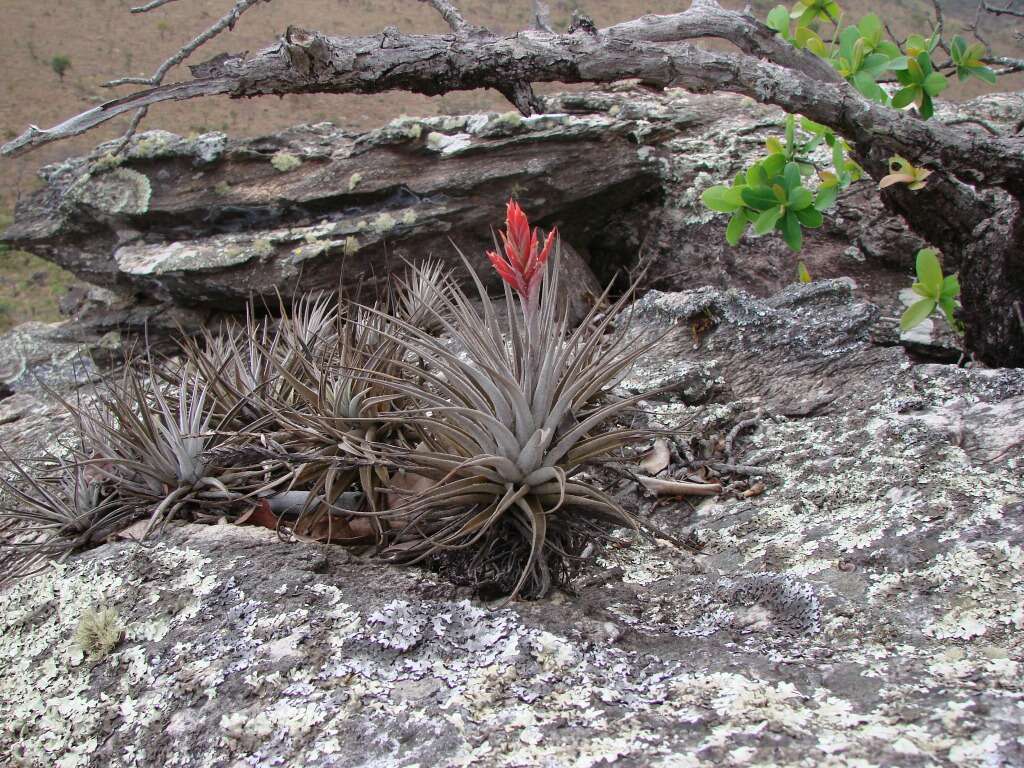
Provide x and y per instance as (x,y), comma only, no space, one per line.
(227,22)
(452,16)
(648,49)
(150,6)
(1007,10)
(542,16)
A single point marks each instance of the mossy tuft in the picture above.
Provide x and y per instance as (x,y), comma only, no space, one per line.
(99,631)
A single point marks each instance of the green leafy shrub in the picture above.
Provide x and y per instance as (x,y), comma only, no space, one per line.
(779,193)
(60,64)
(935,290)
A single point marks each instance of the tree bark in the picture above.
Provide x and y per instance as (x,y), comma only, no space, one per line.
(651,49)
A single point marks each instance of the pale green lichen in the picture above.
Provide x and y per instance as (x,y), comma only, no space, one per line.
(262,248)
(99,631)
(409,217)
(107,162)
(153,144)
(384,222)
(284,161)
(351,245)
(353,181)
(222,188)
(511,119)
(117,192)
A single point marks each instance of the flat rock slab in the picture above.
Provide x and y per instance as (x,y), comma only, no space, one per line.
(208,221)
(866,609)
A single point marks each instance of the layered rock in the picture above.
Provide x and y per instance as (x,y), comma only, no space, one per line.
(212,222)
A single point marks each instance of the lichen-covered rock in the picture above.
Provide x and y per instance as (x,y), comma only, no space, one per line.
(863,609)
(212,222)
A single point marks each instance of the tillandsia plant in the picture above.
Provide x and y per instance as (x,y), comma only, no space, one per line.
(506,424)
(336,412)
(59,507)
(158,447)
(361,426)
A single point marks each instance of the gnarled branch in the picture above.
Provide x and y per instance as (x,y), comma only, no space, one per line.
(647,49)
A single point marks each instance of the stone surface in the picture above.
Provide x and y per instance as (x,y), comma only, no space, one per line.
(864,609)
(207,221)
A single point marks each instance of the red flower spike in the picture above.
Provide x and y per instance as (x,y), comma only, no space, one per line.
(523,264)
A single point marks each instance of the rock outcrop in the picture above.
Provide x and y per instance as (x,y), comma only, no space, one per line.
(211,222)
(863,606)
(206,222)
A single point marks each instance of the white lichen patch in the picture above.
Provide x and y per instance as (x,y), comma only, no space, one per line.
(120,191)
(448,145)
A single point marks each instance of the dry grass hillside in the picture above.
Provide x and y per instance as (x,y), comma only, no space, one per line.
(100,40)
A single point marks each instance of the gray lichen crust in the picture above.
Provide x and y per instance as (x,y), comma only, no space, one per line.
(866,609)
(119,191)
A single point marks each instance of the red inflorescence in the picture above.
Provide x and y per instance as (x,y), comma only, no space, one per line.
(523,263)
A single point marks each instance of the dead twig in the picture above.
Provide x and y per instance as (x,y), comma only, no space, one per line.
(453,16)
(678,487)
(542,16)
(226,22)
(752,423)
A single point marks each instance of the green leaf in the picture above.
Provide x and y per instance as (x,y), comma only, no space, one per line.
(916,314)
(915,44)
(935,83)
(737,226)
(927,107)
(914,71)
(847,40)
(929,271)
(800,198)
(897,63)
(950,287)
(756,175)
(875,64)
(905,96)
(773,165)
(826,198)
(958,48)
(765,223)
(759,198)
(974,54)
(810,217)
(889,49)
(791,232)
(774,146)
(791,176)
(865,83)
(722,199)
(778,19)
(814,44)
(925,62)
(949,307)
(984,73)
(871,27)
(921,290)
(801,272)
